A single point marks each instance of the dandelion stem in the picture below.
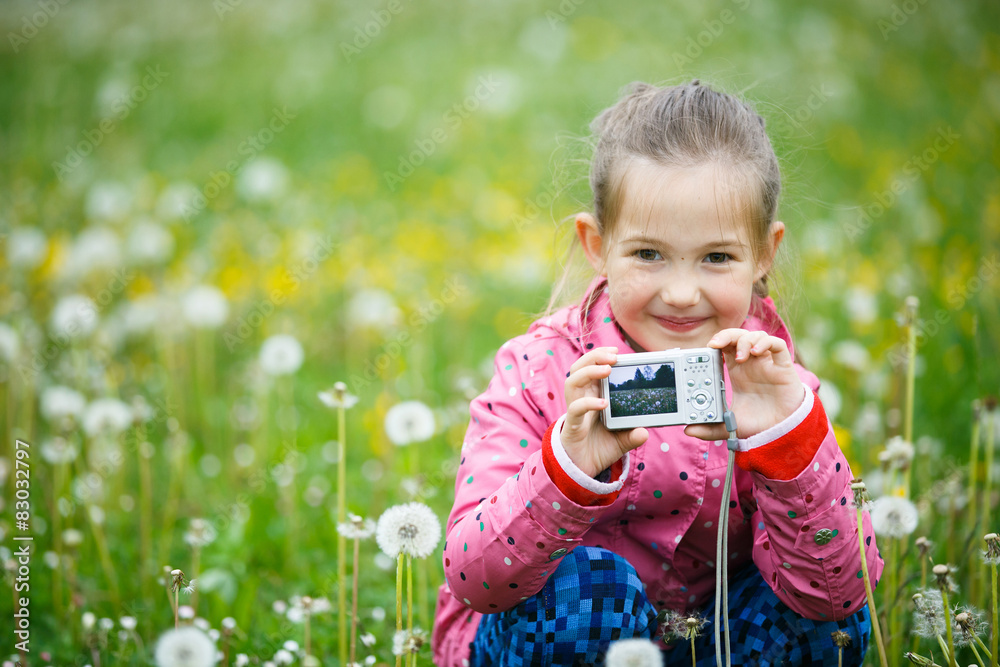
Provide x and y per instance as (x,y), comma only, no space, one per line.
(840,656)
(974,472)
(409,597)
(308,634)
(399,602)
(876,625)
(979,658)
(996,623)
(911,373)
(694,657)
(354,599)
(341,540)
(947,626)
(988,472)
(177,603)
(983,646)
(944,649)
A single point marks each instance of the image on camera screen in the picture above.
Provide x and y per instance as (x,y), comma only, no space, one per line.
(642,390)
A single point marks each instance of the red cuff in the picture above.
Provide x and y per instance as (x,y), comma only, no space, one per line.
(569,486)
(788,456)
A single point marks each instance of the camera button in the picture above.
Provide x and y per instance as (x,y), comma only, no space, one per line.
(690,383)
(711,416)
(693,416)
(708,382)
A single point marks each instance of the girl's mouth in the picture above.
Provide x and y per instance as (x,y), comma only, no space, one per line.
(680,324)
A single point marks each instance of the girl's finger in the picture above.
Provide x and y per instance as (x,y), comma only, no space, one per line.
(600,355)
(578,409)
(725,338)
(582,378)
(777,348)
(747,341)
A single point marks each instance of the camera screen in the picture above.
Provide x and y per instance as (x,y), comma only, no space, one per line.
(642,390)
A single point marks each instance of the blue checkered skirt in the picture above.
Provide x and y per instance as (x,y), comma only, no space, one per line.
(595,597)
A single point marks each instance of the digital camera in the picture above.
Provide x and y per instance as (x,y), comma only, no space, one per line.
(664,389)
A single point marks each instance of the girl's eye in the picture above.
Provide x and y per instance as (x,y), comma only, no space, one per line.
(717,257)
(647,255)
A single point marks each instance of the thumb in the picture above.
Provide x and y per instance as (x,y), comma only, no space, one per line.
(707,431)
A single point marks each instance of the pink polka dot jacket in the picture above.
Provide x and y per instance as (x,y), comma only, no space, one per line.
(521,504)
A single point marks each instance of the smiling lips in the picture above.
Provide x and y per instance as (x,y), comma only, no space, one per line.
(681,324)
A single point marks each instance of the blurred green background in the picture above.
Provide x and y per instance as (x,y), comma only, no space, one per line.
(389,183)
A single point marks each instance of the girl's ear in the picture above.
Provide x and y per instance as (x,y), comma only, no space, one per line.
(774,236)
(590,239)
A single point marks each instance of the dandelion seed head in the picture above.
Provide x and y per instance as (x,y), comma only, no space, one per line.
(968,623)
(409,422)
(840,638)
(368,639)
(200,533)
(58,450)
(185,647)
(894,517)
(279,606)
(242,660)
(898,454)
(412,529)
(356,528)
(186,612)
(74,316)
(291,645)
(105,624)
(205,307)
(283,657)
(928,613)
(634,653)
(106,416)
(127,622)
(337,397)
(281,355)
(229,623)
(88,620)
(673,625)
(60,403)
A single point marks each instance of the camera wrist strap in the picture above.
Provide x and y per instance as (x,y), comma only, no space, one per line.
(722,543)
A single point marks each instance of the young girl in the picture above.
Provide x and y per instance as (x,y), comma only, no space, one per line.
(565,536)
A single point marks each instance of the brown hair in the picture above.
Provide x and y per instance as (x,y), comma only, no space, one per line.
(688,125)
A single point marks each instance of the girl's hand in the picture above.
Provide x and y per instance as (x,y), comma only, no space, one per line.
(766,389)
(588,443)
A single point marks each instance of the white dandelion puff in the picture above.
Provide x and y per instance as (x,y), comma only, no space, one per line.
(283,657)
(185,647)
(185,611)
(409,422)
(88,620)
(408,641)
(242,660)
(263,179)
(59,403)
(967,624)
(127,622)
(634,653)
(356,528)
(149,243)
(205,307)
(373,308)
(106,416)
(200,533)
(893,516)
(898,453)
(281,355)
(27,247)
(58,450)
(411,529)
(73,316)
(337,397)
(94,248)
(72,537)
(368,639)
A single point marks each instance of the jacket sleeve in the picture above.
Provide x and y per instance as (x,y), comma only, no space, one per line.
(511,524)
(805,540)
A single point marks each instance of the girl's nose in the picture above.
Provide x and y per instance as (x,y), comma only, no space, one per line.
(680,291)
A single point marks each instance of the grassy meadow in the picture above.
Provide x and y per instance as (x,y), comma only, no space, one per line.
(212,212)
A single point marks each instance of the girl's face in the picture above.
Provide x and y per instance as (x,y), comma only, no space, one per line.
(679,263)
